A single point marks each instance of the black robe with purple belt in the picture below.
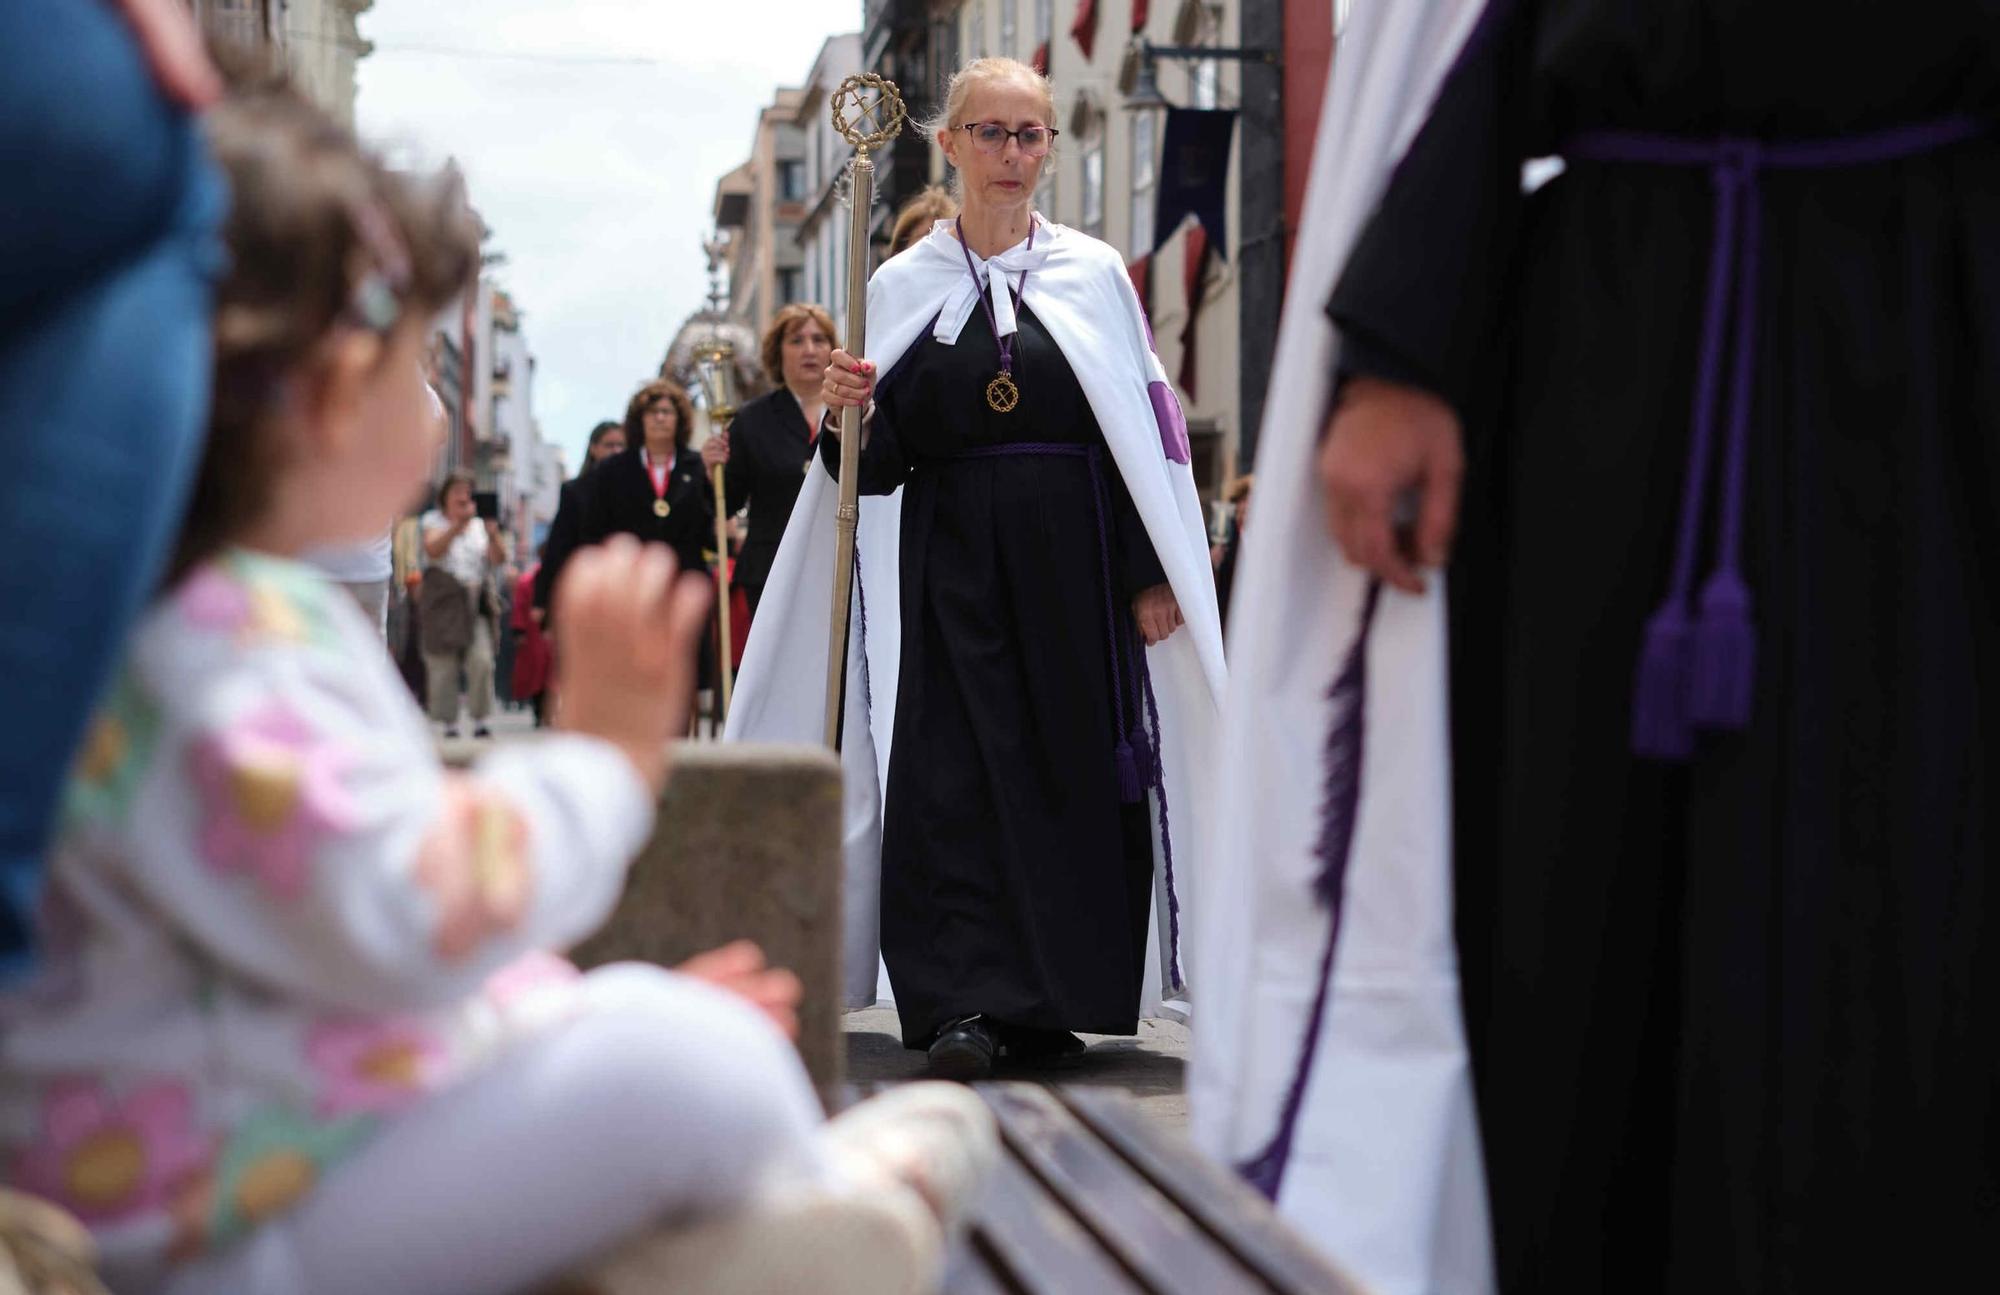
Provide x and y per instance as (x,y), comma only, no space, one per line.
(1735,1014)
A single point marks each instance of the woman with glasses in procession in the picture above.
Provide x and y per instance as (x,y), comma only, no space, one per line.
(1044,676)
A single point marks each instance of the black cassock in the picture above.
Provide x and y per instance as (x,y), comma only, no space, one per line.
(769,448)
(1735,1019)
(1014,881)
(619,498)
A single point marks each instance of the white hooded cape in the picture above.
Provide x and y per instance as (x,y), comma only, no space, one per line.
(1078,289)
(1384,1171)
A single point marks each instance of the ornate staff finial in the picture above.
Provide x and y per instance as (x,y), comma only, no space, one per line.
(875,101)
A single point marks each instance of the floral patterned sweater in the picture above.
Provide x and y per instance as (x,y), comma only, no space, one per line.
(272,918)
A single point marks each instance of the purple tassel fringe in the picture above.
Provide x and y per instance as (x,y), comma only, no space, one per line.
(1339,811)
(1661,727)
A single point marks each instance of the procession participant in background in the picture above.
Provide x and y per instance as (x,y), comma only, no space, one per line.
(1725,599)
(1049,544)
(1329,1061)
(606,439)
(461,550)
(303,1031)
(769,445)
(918,215)
(107,250)
(654,488)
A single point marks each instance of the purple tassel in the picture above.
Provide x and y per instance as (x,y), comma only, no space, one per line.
(1725,654)
(1130,790)
(1661,729)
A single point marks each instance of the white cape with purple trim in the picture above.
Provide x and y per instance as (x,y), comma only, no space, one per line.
(1384,1171)
(1078,289)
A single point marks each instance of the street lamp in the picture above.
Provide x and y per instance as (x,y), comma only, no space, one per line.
(1145,93)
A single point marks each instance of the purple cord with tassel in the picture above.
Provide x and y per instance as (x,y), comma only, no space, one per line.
(1698,659)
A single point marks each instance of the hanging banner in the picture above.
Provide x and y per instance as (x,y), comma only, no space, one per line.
(1084,30)
(1194,174)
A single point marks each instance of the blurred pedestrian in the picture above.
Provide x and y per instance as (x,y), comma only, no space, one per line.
(107,249)
(768,449)
(533,657)
(919,215)
(457,605)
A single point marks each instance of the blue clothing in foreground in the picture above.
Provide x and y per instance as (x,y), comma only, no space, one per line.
(108,251)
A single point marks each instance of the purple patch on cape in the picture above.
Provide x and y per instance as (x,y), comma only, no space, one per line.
(1173,425)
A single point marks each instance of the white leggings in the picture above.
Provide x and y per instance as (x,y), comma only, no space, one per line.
(668,1097)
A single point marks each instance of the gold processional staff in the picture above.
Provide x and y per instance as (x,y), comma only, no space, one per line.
(878,117)
(716,363)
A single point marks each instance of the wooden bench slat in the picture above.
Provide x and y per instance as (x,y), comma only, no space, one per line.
(1039,1248)
(970,1272)
(1168,1252)
(1231,1210)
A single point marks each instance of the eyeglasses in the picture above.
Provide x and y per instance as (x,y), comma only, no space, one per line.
(662,411)
(992,137)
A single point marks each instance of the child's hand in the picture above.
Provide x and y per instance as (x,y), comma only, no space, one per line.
(629,630)
(740,968)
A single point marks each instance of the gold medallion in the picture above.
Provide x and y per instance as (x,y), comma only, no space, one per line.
(1002,395)
(660,508)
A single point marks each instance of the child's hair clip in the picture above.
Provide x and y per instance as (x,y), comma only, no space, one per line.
(376,302)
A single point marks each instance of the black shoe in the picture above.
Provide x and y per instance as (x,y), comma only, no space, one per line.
(1045,1049)
(482,731)
(964,1050)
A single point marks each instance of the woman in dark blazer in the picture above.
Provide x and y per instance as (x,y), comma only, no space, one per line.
(654,489)
(769,444)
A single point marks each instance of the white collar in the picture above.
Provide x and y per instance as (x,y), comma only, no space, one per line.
(1013,265)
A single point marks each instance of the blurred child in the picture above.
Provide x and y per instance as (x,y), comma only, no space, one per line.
(293,1031)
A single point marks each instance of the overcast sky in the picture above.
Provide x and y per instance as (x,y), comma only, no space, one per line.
(592,133)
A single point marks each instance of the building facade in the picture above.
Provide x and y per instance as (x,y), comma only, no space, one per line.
(318,39)
(758,209)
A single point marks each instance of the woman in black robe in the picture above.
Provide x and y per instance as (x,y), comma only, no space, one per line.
(1735,1013)
(655,489)
(1017,871)
(1015,885)
(769,445)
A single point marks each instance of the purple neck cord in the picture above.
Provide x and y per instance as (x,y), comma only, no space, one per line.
(1698,671)
(1006,343)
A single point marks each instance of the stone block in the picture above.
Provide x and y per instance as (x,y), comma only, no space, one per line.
(746,846)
